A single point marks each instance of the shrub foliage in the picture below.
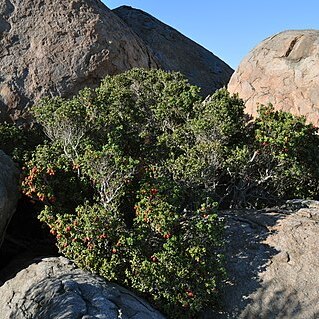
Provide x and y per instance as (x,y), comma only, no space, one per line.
(113,201)
(130,174)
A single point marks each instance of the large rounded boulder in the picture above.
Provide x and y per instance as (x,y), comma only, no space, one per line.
(51,47)
(282,70)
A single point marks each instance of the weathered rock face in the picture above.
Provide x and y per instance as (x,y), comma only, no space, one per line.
(49,47)
(55,288)
(272,261)
(9,194)
(282,70)
(175,52)
(53,47)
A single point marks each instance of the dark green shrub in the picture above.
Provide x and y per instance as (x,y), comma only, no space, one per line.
(19,142)
(11,137)
(111,199)
(277,161)
(205,143)
(293,147)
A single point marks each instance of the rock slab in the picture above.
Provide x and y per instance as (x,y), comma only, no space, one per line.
(282,70)
(9,192)
(176,52)
(53,288)
(273,263)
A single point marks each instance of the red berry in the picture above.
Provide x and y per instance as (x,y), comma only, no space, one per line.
(154,259)
(53,232)
(154,191)
(50,171)
(34,170)
(68,228)
(114,251)
(52,199)
(190,294)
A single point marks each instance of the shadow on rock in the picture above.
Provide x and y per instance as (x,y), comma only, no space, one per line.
(272,263)
(247,255)
(275,305)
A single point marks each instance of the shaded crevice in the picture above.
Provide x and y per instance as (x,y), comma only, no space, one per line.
(291,46)
(26,238)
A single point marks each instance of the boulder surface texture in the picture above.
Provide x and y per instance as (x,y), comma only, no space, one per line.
(53,288)
(175,52)
(56,48)
(273,263)
(52,47)
(9,193)
(282,70)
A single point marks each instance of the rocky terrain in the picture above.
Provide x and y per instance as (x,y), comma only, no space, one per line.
(282,70)
(53,48)
(271,259)
(175,52)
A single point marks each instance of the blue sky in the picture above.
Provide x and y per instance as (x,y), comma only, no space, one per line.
(230,28)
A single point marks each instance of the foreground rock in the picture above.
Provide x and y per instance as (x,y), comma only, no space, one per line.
(55,288)
(9,194)
(53,47)
(273,263)
(175,52)
(282,70)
